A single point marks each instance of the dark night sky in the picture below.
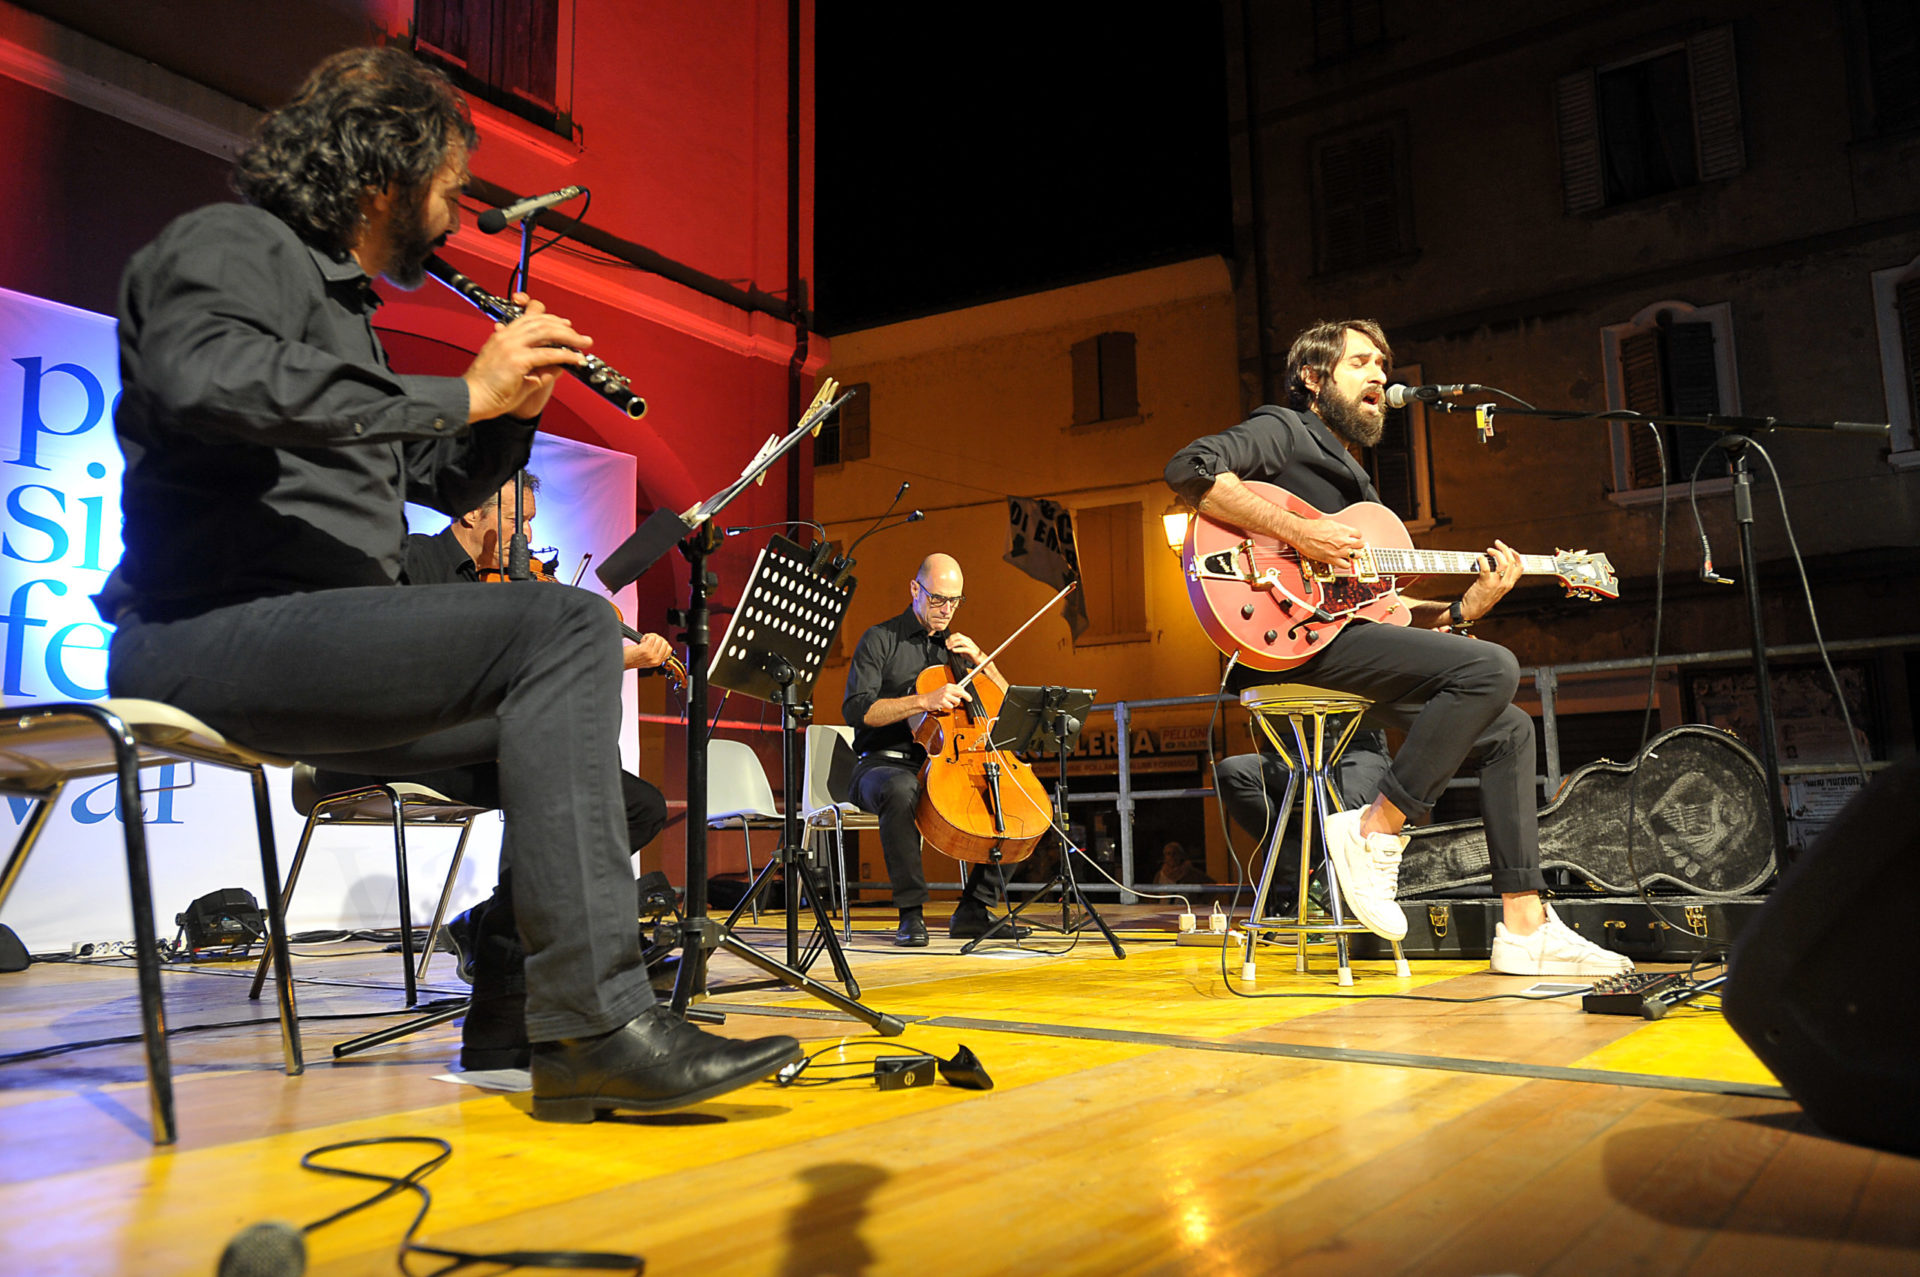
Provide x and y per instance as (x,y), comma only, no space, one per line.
(967,155)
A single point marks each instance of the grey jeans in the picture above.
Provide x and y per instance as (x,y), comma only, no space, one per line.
(397,681)
(1453,697)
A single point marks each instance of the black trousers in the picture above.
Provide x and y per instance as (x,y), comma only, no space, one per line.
(1453,697)
(890,789)
(393,681)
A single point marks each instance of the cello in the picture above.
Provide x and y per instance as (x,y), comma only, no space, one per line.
(977,803)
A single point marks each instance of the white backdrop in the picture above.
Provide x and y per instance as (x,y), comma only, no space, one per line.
(60,536)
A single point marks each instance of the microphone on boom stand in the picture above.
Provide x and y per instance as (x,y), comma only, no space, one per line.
(904,485)
(844,564)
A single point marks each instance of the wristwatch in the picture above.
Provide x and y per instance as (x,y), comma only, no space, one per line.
(1457,617)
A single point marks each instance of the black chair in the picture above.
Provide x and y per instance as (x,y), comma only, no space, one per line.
(401,806)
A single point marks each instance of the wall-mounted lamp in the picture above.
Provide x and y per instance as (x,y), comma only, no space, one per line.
(1175,522)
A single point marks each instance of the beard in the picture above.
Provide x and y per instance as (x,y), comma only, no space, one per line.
(1358,423)
(412,242)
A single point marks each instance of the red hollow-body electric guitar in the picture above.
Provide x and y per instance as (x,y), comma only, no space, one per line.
(1255,595)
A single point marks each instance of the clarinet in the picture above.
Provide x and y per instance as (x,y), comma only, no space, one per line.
(607,381)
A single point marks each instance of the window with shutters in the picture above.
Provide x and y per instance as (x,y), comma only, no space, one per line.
(1659,122)
(1110,541)
(506,52)
(1896,306)
(1883,39)
(1400,464)
(1362,198)
(1671,360)
(1345,27)
(1105,388)
(847,432)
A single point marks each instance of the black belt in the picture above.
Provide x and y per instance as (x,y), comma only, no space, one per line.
(913,757)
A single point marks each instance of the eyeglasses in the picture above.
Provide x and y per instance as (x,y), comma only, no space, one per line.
(939,600)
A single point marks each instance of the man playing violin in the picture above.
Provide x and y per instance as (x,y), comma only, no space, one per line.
(493,1033)
(1450,694)
(270,451)
(470,548)
(880,700)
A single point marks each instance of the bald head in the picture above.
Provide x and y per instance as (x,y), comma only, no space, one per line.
(939,578)
(940,567)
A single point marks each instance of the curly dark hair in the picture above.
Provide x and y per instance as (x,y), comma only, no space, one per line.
(365,118)
(1319,347)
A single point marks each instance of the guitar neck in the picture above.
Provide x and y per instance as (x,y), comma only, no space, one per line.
(1411,562)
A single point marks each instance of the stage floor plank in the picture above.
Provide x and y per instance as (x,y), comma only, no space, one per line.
(1145,1119)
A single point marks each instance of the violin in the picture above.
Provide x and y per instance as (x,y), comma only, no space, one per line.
(673,667)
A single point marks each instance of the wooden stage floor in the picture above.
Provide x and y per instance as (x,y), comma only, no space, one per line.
(1145,1119)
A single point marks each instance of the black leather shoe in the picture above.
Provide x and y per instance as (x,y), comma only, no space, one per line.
(971,921)
(912,933)
(655,1061)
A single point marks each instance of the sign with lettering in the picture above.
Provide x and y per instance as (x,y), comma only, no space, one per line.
(60,473)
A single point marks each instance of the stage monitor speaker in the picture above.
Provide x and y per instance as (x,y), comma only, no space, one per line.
(13,954)
(1822,985)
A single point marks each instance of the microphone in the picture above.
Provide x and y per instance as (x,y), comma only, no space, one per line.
(269,1249)
(904,485)
(1399,395)
(785,523)
(495,220)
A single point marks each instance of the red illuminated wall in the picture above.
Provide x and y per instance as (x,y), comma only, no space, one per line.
(682,136)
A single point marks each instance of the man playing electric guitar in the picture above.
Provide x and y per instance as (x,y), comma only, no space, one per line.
(1452,695)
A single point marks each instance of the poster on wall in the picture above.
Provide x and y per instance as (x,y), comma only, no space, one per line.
(59,539)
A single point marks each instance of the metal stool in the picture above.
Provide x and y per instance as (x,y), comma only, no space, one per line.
(1314,755)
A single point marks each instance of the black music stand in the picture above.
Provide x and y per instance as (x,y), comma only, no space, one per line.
(697,536)
(779,637)
(1047,720)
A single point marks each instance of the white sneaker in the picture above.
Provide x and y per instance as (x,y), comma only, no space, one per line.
(1368,871)
(1555,949)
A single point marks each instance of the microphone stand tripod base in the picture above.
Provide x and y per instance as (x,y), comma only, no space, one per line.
(1051,723)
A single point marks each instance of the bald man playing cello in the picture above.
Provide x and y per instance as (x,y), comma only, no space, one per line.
(881,698)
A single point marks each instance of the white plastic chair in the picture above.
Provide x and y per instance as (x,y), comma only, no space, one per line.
(739,795)
(829,767)
(44,746)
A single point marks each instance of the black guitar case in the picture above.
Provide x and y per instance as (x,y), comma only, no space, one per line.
(1700,824)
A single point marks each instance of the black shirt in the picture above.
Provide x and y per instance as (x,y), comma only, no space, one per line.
(269,447)
(1276,445)
(886,664)
(438,559)
(1291,449)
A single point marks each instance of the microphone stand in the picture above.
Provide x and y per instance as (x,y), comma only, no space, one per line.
(1735,434)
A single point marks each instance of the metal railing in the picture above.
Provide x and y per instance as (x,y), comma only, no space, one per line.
(1546,680)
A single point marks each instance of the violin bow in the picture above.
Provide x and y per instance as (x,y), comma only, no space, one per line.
(1065,590)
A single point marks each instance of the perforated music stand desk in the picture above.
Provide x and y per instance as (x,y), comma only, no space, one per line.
(786,620)
(777,640)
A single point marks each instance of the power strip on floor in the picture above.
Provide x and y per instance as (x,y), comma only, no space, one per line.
(1208,939)
(92,950)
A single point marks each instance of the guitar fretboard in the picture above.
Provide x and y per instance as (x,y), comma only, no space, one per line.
(1394,562)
